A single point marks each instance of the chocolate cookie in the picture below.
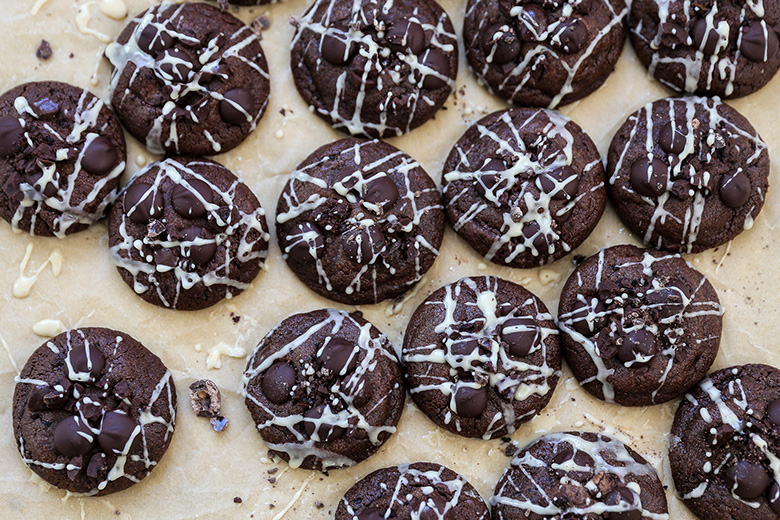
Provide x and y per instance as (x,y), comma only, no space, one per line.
(325,389)
(547,53)
(724,447)
(524,186)
(579,475)
(375,68)
(186,233)
(62,153)
(188,79)
(724,48)
(687,174)
(93,411)
(359,221)
(481,357)
(638,326)
(421,490)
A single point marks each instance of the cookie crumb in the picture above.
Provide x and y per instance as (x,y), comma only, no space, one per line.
(223,5)
(237,500)
(205,398)
(44,51)
(260,24)
(219,423)
(272,471)
(578,259)
(319,505)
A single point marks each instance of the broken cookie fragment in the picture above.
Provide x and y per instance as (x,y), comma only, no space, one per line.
(207,402)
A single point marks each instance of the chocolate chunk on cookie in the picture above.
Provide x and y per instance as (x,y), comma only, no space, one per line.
(359,221)
(687,174)
(481,357)
(524,186)
(325,389)
(725,443)
(93,411)
(186,233)
(421,490)
(188,79)
(638,326)
(578,475)
(723,48)
(62,153)
(546,53)
(375,69)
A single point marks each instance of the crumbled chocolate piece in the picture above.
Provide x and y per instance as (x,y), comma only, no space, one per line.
(219,423)
(319,505)
(237,500)
(272,471)
(205,398)
(44,51)
(260,24)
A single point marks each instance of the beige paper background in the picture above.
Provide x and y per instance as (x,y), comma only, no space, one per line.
(203,470)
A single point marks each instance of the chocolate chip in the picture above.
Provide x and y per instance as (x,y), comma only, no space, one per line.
(115,431)
(74,467)
(562,183)
(672,138)
(324,432)
(759,42)
(521,334)
(186,199)
(405,35)
(44,51)
(11,132)
(563,453)
(45,108)
(165,257)
(381,191)
(35,401)
(100,156)
(142,202)
(307,242)
(152,40)
(722,434)
(571,37)
(371,513)
(773,411)
(464,347)
(176,64)
(361,243)
(501,44)
(433,507)
(339,356)
(667,301)
(532,232)
(200,254)
(588,316)
(636,343)
(87,359)
(56,399)
(439,63)
(706,37)
(774,497)
(673,35)
(205,398)
(97,466)
(734,189)
(470,402)
(278,380)
(338,48)
(649,179)
(241,97)
(624,497)
(72,437)
(747,480)
(531,22)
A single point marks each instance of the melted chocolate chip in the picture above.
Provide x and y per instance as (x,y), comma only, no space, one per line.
(371,513)
(362,243)
(151,40)
(142,202)
(325,432)
(571,37)
(97,467)
(774,497)
(773,411)
(531,22)
(588,316)
(115,431)
(563,452)
(432,507)
(87,359)
(338,356)
(382,191)
(200,253)
(45,108)
(470,402)
(185,200)
(672,138)
(636,343)
(464,347)
(673,35)
(624,497)
(405,35)
(439,63)
(649,179)
(562,183)
(35,401)
(334,47)
(748,480)
(734,189)
(72,437)
(759,42)
(100,156)
(307,242)
(706,37)
(521,334)
(165,257)
(533,232)
(175,64)
(228,111)
(11,132)
(278,381)
(501,44)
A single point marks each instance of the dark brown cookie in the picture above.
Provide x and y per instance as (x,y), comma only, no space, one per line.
(638,326)
(547,53)
(687,174)
(93,411)
(62,153)
(375,68)
(421,490)
(481,357)
(325,389)
(724,448)
(524,186)
(579,475)
(724,48)
(359,221)
(186,233)
(188,79)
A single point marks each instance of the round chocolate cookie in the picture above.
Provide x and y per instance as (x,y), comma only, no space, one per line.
(638,326)
(186,233)
(546,53)
(579,475)
(687,174)
(375,68)
(93,411)
(62,153)
(359,221)
(423,490)
(188,79)
(724,448)
(325,389)
(481,357)
(524,186)
(724,48)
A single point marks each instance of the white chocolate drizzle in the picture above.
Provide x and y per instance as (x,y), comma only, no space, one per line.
(23,284)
